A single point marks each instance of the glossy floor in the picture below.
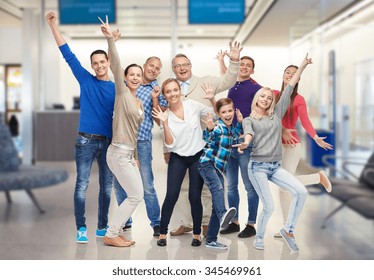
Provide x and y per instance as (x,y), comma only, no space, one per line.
(28,235)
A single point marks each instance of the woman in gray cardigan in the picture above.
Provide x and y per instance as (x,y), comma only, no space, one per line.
(264,127)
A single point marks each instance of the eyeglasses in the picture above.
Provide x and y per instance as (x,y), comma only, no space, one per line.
(184,65)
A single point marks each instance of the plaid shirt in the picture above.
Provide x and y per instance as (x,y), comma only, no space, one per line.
(219,144)
(144,94)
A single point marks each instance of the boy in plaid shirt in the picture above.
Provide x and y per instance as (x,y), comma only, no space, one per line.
(212,165)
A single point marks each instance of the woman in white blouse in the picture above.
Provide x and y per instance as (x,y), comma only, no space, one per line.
(183,137)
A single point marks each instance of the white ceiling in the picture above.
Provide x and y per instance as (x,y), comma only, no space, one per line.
(268,22)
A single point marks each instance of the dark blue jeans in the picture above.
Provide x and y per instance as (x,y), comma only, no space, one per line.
(150,195)
(86,151)
(236,161)
(177,168)
(214,180)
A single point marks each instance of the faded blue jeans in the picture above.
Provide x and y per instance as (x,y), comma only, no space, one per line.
(260,173)
(214,180)
(236,161)
(150,195)
(86,151)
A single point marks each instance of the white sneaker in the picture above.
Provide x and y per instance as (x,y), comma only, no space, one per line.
(258,243)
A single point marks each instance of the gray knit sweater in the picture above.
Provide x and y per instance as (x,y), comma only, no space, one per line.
(267,131)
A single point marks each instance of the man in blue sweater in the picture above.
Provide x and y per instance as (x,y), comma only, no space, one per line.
(95,130)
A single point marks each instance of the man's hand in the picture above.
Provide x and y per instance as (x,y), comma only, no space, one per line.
(116,35)
(209,92)
(51,18)
(235,50)
(156,92)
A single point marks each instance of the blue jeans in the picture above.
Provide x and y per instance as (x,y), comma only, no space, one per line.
(260,173)
(150,195)
(86,151)
(214,180)
(236,161)
(177,168)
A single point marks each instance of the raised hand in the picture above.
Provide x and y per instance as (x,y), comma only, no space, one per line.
(324,145)
(156,92)
(209,92)
(208,120)
(220,55)
(235,50)
(306,61)
(158,114)
(239,115)
(116,35)
(105,28)
(51,17)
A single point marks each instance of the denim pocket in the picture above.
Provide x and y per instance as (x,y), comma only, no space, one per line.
(81,140)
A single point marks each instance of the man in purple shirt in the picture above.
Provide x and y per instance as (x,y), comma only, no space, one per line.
(242,94)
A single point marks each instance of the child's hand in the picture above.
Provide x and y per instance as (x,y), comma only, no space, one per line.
(208,120)
(239,115)
(242,146)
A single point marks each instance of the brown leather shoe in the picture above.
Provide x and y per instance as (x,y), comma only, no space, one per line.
(205,230)
(127,240)
(116,242)
(181,230)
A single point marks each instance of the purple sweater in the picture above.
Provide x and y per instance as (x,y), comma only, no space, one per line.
(242,94)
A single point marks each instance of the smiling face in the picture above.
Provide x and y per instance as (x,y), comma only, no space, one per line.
(182,68)
(265,100)
(134,78)
(172,91)
(288,74)
(152,69)
(100,64)
(226,114)
(245,69)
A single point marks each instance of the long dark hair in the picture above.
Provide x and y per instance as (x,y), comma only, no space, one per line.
(289,112)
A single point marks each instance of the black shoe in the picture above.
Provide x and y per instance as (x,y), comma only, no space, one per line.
(195,242)
(156,231)
(126,228)
(231,228)
(161,242)
(248,231)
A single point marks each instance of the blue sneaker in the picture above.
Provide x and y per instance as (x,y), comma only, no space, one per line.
(101,232)
(291,242)
(216,245)
(82,235)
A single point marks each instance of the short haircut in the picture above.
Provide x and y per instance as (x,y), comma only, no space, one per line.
(223,102)
(249,58)
(132,65)
(179,55)
(99,52)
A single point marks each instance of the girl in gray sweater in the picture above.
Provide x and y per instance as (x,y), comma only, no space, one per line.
(264,127)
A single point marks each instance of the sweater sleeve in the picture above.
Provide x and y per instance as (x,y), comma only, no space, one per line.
(302,111)
(116,66)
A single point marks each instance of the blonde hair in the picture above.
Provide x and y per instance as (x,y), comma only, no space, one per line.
(269,111)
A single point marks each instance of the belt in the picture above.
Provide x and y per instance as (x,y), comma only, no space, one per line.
(93,136)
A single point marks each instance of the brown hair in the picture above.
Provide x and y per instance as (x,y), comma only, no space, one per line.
(167,81)
(249,58)
(223,102)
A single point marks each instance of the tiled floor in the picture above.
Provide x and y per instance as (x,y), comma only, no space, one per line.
(28,235)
